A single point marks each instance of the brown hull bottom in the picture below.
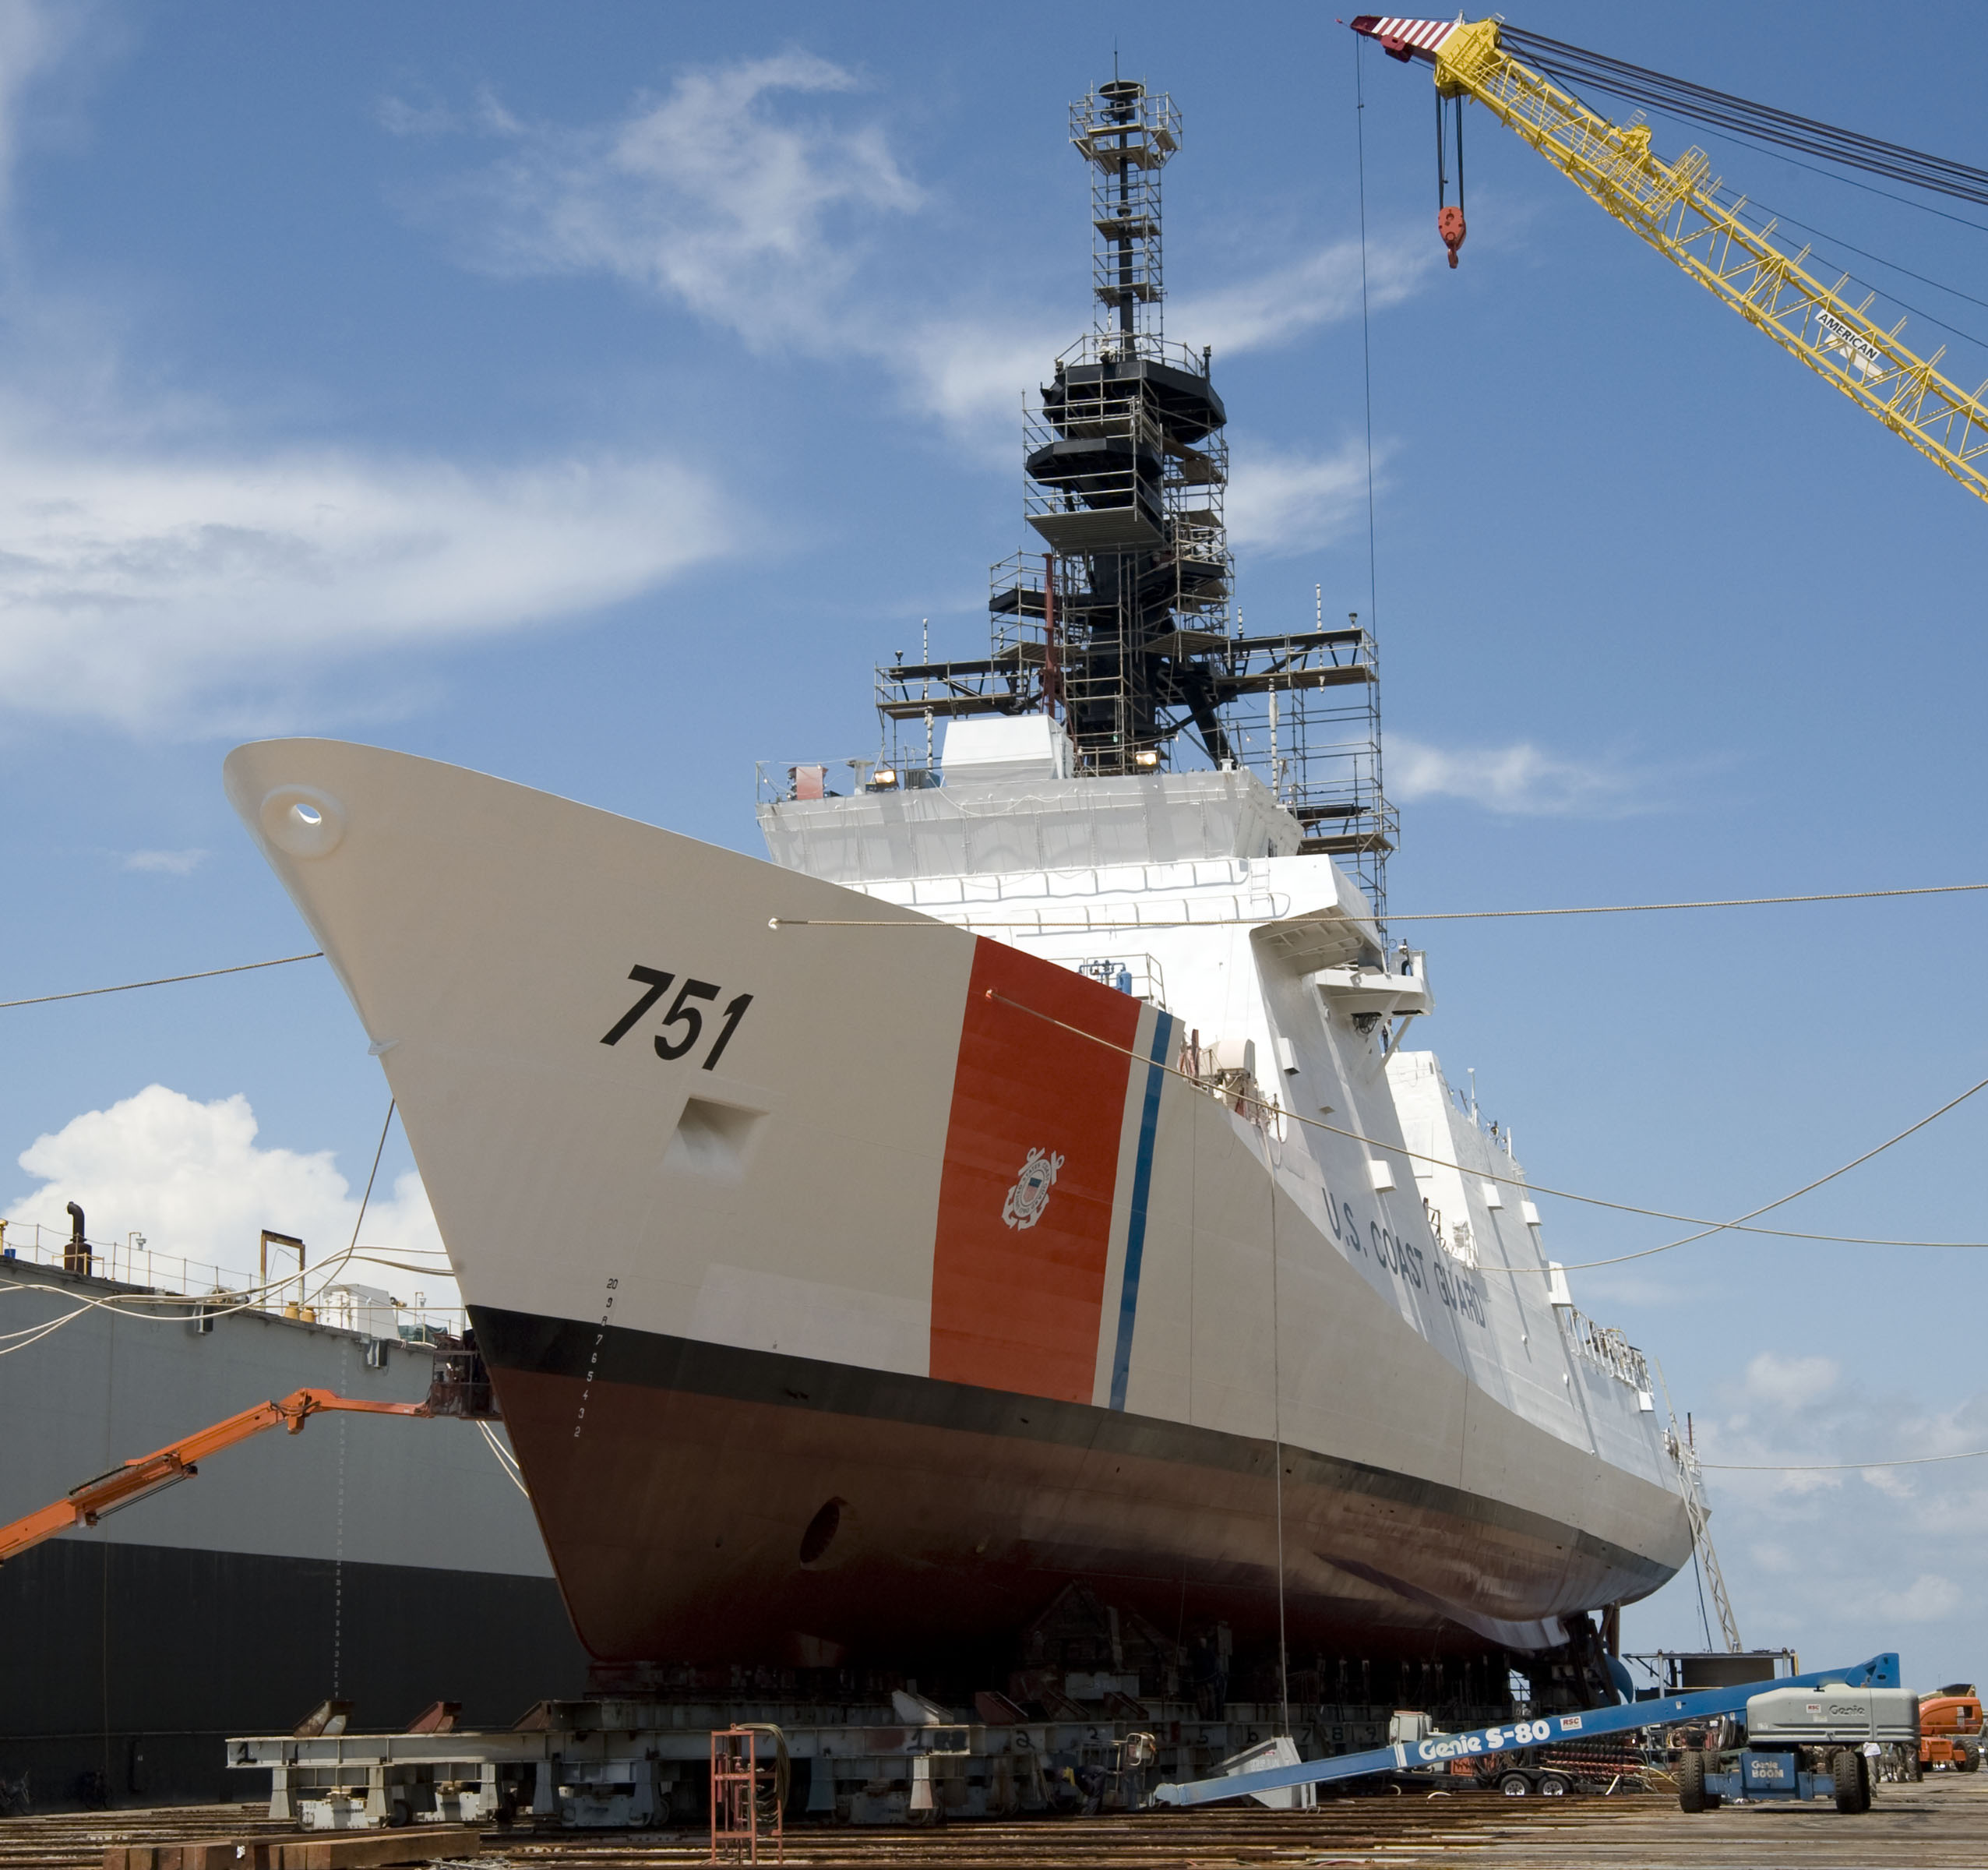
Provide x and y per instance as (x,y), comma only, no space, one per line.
(704,1504)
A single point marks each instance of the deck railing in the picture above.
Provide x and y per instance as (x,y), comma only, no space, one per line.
(133,1262)
(1605,1347)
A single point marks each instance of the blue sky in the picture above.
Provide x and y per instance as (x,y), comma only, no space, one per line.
(589,395)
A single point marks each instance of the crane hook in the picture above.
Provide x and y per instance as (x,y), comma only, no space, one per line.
(1450,225)
(1448,218)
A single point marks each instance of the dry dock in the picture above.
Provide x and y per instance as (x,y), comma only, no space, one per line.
(1941,1822)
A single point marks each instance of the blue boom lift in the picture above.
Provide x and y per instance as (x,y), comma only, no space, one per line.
(1776,1765)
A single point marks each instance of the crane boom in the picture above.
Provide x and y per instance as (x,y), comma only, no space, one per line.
(1675,208)
(178,1461)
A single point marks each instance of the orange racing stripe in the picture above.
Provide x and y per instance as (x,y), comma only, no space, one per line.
(1015,1303)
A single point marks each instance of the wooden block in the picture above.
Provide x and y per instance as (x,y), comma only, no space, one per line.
(225,1854)
(377,1850)
(204,1854)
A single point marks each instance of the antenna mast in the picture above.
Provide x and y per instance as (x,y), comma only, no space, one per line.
(1122,626)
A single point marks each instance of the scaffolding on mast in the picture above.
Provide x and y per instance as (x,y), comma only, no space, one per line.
(1120,622)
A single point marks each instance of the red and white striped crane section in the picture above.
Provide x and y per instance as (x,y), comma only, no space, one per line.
(1406,39)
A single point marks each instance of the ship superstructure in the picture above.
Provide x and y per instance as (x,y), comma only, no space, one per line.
(1018,1193)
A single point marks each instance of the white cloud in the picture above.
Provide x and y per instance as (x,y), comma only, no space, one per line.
(166,863)
(1282,501)
(718,197)
(973,375)
(1776,1559)
(1790,1382)
(1519,779)
(152,570)
(1840,1565)
(400,118)
(191,1177)
(1927,1599)
(141,585)
(1261,311)
(704,194)
(149,577)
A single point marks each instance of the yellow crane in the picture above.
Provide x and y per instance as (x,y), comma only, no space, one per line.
(1676,207)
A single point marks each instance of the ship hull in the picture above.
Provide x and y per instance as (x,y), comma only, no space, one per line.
(888,1214)
(375,1559)
(125,1668)
(682,1518)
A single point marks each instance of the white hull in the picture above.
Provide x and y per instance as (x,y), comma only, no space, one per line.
(722,1297)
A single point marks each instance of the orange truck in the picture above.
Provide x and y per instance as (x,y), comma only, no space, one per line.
(1949,1728)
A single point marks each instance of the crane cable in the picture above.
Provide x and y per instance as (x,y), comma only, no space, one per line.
(1760,126)
(1763,219)
(1574,65)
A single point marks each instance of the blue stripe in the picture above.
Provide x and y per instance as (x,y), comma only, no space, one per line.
(1135,1230)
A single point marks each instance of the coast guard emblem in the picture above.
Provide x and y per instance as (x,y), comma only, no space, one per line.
(1030,1195)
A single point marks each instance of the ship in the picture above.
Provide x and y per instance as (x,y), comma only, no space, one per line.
(385,1564)
(1016,1192)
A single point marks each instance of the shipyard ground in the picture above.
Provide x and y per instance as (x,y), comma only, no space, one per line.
(1942,1822)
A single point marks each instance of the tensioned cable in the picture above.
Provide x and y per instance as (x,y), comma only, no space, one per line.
(1511,1181)
(1606,908)
(1366,340)
(1729,902)
(1697,1574)
(505,1459)
(1754,141)
(1721,110)
(245,967)
(1925,278)
(379,1149)
(1277,1436)
(1837,1467)
(1765,217)
(1781,154)
(823,922)
(372,1257)
(1850,182)
(1723,1227)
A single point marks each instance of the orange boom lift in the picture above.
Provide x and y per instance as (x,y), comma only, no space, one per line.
(178,1461)
(1949,1728)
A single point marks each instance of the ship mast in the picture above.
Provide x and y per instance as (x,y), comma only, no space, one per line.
(1119,623)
